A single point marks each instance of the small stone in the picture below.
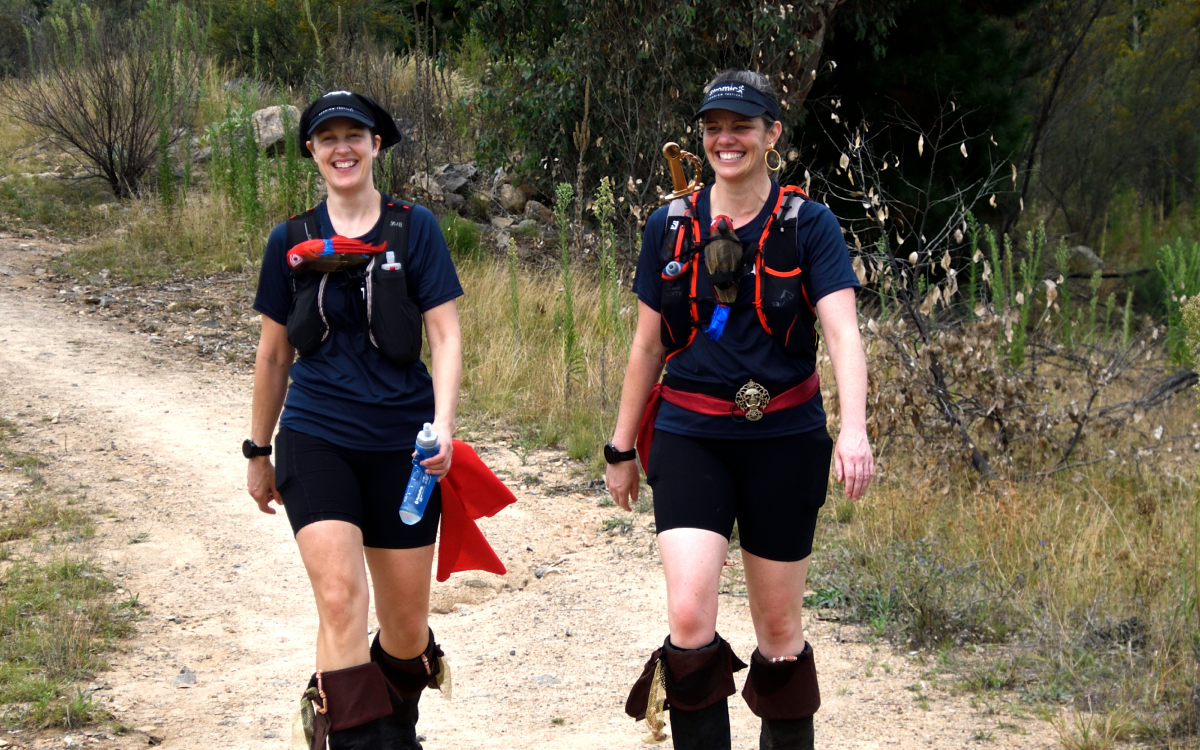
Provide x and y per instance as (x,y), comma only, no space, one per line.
(512,199)
(527,225)
(454,201)
(453,183)
(429,184)
(502,222)
(538,211)
(185,679)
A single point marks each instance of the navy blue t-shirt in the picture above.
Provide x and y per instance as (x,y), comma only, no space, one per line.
(745,350)
(347,392)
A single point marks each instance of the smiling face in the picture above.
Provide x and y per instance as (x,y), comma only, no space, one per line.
(344,150)
(735,145)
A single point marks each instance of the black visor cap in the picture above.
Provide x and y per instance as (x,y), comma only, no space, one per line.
(740,98)
(357,107)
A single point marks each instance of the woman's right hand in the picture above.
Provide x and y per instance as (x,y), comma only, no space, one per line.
(260,483)
(621,479)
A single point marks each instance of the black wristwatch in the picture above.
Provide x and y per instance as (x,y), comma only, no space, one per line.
(614,456)
(250,450)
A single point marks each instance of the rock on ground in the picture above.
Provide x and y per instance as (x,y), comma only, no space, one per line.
(269,131)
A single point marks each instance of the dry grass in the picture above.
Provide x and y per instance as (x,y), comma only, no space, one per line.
(518,378)
(58,613)
(201,237)
(1084,581)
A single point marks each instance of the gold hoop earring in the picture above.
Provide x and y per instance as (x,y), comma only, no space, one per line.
(778,159)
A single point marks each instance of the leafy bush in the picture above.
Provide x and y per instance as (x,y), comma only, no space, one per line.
(1179,267)
(645,62)
(285,41)
(14,51)
(1191,320)
(462,237)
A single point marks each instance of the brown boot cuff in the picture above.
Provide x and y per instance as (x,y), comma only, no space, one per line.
(699,677)
(353,696)
(408,677)
(783,690)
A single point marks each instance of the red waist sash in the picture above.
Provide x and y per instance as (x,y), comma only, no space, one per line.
(702,403)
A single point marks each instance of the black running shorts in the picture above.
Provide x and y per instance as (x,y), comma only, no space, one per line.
(320,481)
(772,487)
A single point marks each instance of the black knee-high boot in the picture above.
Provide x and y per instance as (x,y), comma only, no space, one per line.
(697,684)
(785,734)
(349,705)
(705,729)
(406,679)
(785,695)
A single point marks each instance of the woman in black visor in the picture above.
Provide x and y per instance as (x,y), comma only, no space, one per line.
(349,285)
(731,282)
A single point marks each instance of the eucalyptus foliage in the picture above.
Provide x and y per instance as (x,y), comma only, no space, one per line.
(646,61)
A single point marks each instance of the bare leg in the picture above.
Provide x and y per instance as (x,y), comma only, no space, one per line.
(400,579)
(776,592)
(333,556)
(692,561)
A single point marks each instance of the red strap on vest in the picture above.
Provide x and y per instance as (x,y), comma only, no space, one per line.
(711,405)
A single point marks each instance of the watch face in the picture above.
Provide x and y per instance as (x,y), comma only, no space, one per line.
(250,450)
(614,456)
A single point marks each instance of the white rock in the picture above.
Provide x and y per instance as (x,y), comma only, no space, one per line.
(268,125)
(511,199)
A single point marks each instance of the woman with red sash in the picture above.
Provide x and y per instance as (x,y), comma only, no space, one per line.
(731,282)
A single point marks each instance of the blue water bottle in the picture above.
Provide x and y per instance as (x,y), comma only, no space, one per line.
(420,484)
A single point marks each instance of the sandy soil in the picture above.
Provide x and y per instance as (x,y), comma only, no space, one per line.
(153,433)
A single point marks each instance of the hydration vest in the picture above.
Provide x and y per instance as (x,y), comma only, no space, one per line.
(393,322)
(780,299)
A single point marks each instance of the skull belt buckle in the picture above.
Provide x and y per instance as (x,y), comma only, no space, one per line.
(752,399)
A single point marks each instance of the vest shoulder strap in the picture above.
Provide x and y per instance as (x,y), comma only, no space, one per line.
(791,206)
(303,227)
(394,231)
(678,207)
(680,221)
(793,198)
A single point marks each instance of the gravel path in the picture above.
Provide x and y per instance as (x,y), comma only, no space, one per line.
(538,662)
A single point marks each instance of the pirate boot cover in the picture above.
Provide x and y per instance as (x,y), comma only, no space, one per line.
(406,679)
(785,695)
(695,685)
(343,706)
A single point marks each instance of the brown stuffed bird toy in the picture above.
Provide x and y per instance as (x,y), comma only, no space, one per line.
(723,257)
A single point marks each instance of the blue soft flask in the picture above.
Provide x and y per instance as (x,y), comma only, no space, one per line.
(420,484)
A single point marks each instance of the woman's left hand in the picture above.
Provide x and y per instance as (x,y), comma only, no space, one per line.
(853,463)
(440,464)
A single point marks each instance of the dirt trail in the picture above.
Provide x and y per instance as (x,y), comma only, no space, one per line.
(537,661)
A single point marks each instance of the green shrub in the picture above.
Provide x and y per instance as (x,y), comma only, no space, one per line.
(645,64)
(462,237)
(277,41)
(1191,321)
(1179,268)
